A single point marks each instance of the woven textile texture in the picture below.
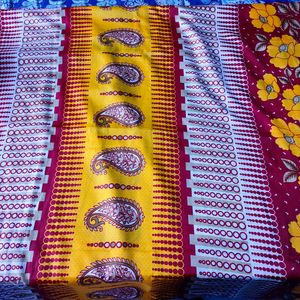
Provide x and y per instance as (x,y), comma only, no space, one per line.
(150,151)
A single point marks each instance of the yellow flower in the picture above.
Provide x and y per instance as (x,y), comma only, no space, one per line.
(263,16)
(268,87)
(285,52)
(291,102)
(294,230)
(287,136)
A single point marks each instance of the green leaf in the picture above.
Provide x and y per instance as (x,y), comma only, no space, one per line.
(283,80)
(261,46)
(294,23)
(287,72)
(297,72)
(295,7)
(290,176)
(290,164)
(284,25)
(283,8)
(293,32)
(262,38)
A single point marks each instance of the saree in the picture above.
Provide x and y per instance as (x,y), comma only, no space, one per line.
(37,4)
(150,152)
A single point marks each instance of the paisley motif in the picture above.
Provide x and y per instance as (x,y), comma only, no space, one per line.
(128,73)
(128,37)
(128,292)
(110,270)
(122,213)
(127,161)
(125,114)
(131,8)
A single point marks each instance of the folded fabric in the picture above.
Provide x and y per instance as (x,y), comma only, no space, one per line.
(140,147)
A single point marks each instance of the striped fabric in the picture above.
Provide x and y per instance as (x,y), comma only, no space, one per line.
(150,152)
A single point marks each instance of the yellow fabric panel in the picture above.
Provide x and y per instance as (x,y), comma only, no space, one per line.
(82,255)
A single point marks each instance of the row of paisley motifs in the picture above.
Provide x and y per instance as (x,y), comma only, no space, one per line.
(127,161)
(123,213)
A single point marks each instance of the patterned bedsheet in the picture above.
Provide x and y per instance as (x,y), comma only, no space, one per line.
(37,4)
(150,152)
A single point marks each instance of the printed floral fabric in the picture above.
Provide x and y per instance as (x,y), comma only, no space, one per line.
(150,152)
(275,67)
(34,4)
